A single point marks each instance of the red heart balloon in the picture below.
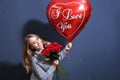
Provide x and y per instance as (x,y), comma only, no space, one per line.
(69,17)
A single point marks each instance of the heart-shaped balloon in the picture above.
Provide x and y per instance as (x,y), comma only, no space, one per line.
(69,17)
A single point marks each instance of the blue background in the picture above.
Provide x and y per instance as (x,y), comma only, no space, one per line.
(95,54)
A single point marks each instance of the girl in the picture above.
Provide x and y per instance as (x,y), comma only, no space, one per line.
(34,61)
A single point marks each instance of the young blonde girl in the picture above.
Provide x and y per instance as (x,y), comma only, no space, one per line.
(34,61)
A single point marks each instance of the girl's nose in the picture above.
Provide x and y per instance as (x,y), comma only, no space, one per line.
(37,42)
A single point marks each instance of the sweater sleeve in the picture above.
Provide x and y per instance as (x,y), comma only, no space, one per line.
(43,75)
(62,54)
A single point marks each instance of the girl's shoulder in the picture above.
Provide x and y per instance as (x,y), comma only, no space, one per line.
(38,57)
(34,59)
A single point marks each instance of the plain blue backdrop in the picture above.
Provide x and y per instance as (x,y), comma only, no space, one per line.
(95,54)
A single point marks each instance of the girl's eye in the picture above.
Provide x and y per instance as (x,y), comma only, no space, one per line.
(34,43)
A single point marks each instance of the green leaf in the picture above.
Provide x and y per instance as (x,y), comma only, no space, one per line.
(47,59)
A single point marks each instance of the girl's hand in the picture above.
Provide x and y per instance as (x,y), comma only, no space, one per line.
(55,62)
(68,47)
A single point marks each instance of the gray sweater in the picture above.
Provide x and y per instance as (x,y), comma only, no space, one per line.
(41,69)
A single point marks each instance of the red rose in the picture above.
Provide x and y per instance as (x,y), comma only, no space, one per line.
(45,52)
(51,49)
(57,49)
(57,44)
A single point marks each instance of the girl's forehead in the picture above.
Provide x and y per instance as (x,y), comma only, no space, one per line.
(32,39)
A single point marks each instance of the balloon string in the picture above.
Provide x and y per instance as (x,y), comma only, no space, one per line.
(68,56)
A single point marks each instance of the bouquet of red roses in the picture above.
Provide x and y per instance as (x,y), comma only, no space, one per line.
(51,51)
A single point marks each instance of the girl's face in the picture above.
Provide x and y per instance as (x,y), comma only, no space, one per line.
(35,43)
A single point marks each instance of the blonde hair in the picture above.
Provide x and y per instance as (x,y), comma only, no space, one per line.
(27,52)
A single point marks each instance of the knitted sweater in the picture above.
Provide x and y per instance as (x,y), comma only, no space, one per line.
(41,69)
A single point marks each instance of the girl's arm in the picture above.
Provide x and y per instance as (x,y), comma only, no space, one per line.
(64,52)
